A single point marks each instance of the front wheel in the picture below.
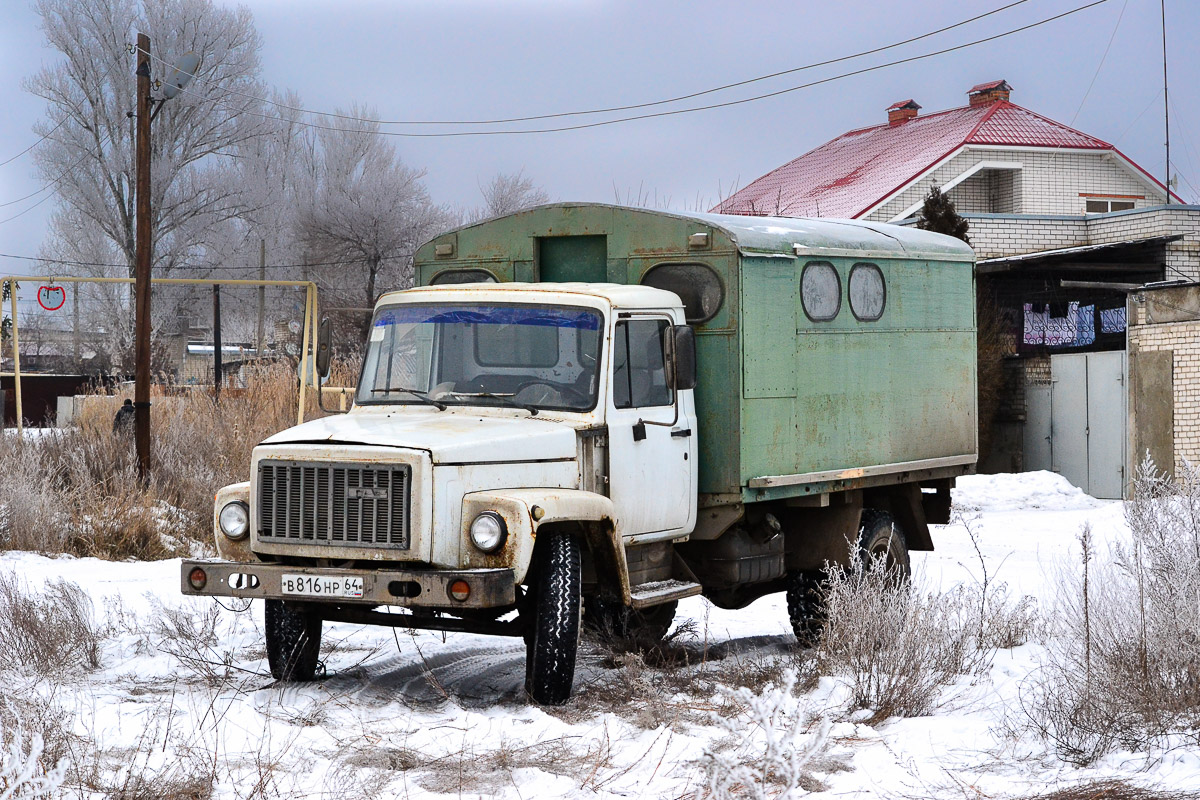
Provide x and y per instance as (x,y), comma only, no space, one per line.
(553,639)
(293,642)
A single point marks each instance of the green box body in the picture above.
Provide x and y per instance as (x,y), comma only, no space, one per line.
(787,406)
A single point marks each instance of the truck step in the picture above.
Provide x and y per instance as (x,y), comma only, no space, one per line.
(656,593)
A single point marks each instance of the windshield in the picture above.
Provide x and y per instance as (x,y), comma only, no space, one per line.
(525,356)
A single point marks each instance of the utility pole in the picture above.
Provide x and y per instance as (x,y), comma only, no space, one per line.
(262,296)
(216,342)
(1166,101)
(75,315)
(141,390)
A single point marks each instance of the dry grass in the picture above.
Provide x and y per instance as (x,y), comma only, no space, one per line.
(76,490)
(1115,790)
(1124,667)
(52,633)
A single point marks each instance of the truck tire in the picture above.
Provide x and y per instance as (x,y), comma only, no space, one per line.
(806,605)
(552,641)
(620,624)
(882,537)
(293,642)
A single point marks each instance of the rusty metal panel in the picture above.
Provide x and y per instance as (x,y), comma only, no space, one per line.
(769,289)
(893,390)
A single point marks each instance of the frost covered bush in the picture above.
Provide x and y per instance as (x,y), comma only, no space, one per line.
(23,773)
(896,647)
(51,632)
(76,490)
(776,740)
(1124,667)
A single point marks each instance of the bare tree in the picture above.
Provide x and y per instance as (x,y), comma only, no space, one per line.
(90,144)
(367,214)
(508,193)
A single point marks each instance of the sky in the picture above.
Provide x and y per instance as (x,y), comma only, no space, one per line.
(471,59)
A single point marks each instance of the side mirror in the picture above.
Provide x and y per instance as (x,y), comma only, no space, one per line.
(324,350)
(683,357)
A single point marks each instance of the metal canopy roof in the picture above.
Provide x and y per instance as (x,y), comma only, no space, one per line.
(1062,257)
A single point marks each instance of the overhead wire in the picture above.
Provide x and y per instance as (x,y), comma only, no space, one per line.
(1101,64)
(675,112)
(614,109)
(74,263)
(50,132)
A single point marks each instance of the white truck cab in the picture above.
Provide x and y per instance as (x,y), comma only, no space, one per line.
(506,443)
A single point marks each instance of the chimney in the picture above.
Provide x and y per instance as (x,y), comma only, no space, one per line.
(987,93)
(902,111)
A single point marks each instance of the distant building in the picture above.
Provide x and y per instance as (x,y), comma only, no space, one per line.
(1046,204)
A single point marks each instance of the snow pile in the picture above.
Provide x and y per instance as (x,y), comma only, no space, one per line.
(1024,491)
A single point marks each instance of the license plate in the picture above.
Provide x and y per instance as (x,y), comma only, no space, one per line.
(322,585)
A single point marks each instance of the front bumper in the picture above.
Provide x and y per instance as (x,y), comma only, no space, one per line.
(490,588)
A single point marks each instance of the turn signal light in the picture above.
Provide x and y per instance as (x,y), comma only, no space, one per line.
(460,591)
(198,578)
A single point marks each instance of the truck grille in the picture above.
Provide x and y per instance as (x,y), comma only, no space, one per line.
(335,504)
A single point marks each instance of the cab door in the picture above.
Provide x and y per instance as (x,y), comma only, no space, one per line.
(651,445)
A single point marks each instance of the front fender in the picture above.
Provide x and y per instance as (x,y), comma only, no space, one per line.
(226,548)
(525,511)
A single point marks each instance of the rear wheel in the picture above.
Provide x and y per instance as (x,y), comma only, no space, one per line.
(880,538)
(806,605)
(552,642)
(293,642)
(618,623)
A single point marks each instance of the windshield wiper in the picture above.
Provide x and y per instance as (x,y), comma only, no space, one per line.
(508,401)
(422,396)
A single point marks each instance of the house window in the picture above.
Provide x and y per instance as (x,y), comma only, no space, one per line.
(820,291)
(1103,205)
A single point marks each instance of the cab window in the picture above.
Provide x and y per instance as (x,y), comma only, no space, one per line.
(639,371)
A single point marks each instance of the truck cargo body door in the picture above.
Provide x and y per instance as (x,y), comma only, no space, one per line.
(652,467)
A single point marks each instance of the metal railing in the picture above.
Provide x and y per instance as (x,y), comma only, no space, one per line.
(307,342)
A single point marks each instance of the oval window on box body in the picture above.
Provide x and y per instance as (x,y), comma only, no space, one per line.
(462,276)
(698,286)
(820,291)
(868,294)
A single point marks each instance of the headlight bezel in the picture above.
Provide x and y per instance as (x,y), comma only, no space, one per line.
(244,525)
(497,539)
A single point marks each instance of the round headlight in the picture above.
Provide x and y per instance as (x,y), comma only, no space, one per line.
(488,531)
(235,520)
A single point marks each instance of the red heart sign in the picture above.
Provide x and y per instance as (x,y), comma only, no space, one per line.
(51,298)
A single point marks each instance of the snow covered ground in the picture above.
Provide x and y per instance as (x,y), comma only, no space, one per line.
(183,691)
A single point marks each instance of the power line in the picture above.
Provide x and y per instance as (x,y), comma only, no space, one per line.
(87,154)
(50,132)
(73,263)
(1101,64)
(693,109)
(613,109)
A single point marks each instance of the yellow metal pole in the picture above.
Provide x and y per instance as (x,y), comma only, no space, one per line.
(308,306)
(16,344)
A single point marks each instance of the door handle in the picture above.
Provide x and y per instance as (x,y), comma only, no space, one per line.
(681,433)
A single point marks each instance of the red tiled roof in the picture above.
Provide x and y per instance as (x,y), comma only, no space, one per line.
(850,175)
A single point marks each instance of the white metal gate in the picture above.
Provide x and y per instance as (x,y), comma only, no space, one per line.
(1077,428)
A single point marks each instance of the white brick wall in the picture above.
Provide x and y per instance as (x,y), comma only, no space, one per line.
(1048,182)
(1183,338)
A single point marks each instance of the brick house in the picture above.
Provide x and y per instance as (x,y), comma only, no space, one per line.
(1063,224)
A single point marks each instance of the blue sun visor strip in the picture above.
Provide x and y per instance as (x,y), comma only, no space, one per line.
(538,316)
